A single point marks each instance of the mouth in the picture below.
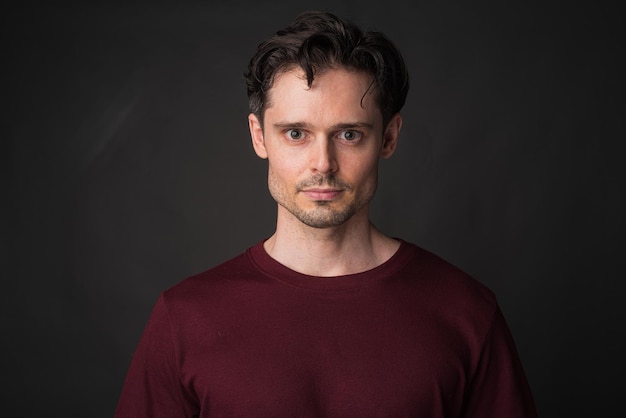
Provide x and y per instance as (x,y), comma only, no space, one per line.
(319,194)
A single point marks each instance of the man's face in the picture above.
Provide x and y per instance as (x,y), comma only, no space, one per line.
(323,144)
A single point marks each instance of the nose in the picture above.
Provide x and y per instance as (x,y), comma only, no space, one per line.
(322,158)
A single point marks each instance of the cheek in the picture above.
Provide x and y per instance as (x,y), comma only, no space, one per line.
(280,168)
(281,178)
(366,170)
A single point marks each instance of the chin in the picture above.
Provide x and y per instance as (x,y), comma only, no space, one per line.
(324,217)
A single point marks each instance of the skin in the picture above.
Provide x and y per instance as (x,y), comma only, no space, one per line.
(323,145)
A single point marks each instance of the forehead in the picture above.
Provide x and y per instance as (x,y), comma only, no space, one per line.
(334,94)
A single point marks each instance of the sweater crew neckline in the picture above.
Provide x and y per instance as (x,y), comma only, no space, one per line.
(275,270)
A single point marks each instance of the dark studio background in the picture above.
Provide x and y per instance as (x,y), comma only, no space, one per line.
(129,167)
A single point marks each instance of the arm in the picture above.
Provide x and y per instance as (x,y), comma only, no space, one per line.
(499,387)
(152,387)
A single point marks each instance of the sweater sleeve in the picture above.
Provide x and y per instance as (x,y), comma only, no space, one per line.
(499,387)
(152,387)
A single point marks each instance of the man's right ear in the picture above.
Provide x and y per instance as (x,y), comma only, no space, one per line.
(256,132)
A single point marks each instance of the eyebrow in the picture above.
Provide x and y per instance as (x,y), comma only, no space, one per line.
(343,125)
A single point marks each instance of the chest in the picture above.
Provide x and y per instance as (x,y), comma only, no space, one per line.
(327,359)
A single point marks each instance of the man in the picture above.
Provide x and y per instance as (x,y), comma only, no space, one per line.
(328,317)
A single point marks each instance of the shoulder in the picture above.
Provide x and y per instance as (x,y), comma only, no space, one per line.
(443,284)
(444,273)
(225,278)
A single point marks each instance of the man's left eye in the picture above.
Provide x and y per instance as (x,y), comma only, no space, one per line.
(350,135)
(295,134)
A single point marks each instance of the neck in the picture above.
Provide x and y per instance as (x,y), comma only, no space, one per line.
(353,247)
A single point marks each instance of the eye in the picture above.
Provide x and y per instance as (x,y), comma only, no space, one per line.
(350,135)
(294,134)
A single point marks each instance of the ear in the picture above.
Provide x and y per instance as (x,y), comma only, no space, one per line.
(256,132)
(390,136)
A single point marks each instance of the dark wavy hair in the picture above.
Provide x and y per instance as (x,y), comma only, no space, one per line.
(318,41)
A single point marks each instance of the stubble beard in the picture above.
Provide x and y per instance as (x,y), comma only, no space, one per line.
(323,215)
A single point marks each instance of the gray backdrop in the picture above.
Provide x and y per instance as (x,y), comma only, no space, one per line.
(129,167)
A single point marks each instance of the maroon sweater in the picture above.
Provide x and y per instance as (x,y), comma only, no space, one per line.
(251,338)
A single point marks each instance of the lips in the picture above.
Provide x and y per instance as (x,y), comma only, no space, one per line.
(321,194)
